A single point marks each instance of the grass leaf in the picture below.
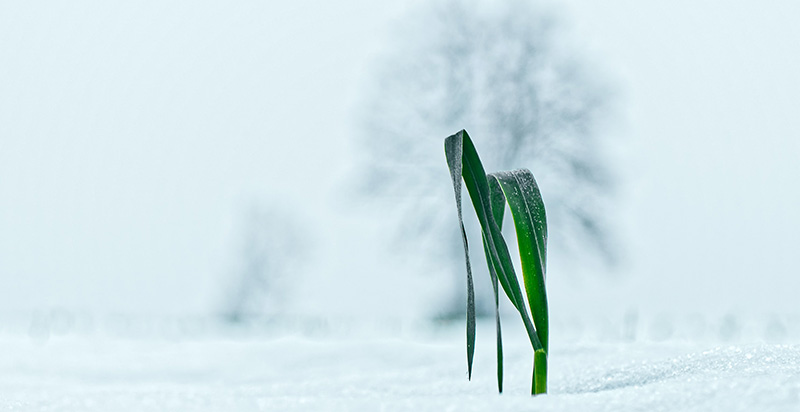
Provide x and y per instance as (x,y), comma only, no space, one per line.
(463,160)
(530,222)
(498,209)
(501,262)
(454,152)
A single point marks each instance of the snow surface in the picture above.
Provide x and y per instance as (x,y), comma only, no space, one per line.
(387,371)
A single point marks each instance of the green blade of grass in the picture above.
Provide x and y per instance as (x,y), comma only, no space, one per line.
(462,159)
(527,208)
(454,152)
(508,278)
(530,222)
(493,275)
(498,209)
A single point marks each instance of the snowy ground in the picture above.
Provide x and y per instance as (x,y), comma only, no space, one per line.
(390,370)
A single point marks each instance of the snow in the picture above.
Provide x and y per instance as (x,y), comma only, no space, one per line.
(398,369)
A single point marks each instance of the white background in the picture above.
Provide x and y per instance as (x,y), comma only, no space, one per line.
(132,136)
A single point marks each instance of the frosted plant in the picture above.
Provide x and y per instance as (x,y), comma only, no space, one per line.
(489,194)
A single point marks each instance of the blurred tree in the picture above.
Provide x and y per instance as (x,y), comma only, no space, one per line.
(271,254)
(505,75)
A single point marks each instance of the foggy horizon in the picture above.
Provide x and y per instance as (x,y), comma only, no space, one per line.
(133,138)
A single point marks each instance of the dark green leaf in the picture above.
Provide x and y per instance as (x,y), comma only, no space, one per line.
(527,208)
(498,209)
(453,151)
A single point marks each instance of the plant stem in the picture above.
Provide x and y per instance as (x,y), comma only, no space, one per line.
(539,385)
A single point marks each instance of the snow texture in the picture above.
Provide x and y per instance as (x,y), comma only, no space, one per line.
(419,372)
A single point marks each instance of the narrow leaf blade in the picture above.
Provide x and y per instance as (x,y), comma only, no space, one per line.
(530,222)
(498,203)
(453,148)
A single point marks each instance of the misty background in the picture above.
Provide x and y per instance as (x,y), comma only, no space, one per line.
(161,158)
